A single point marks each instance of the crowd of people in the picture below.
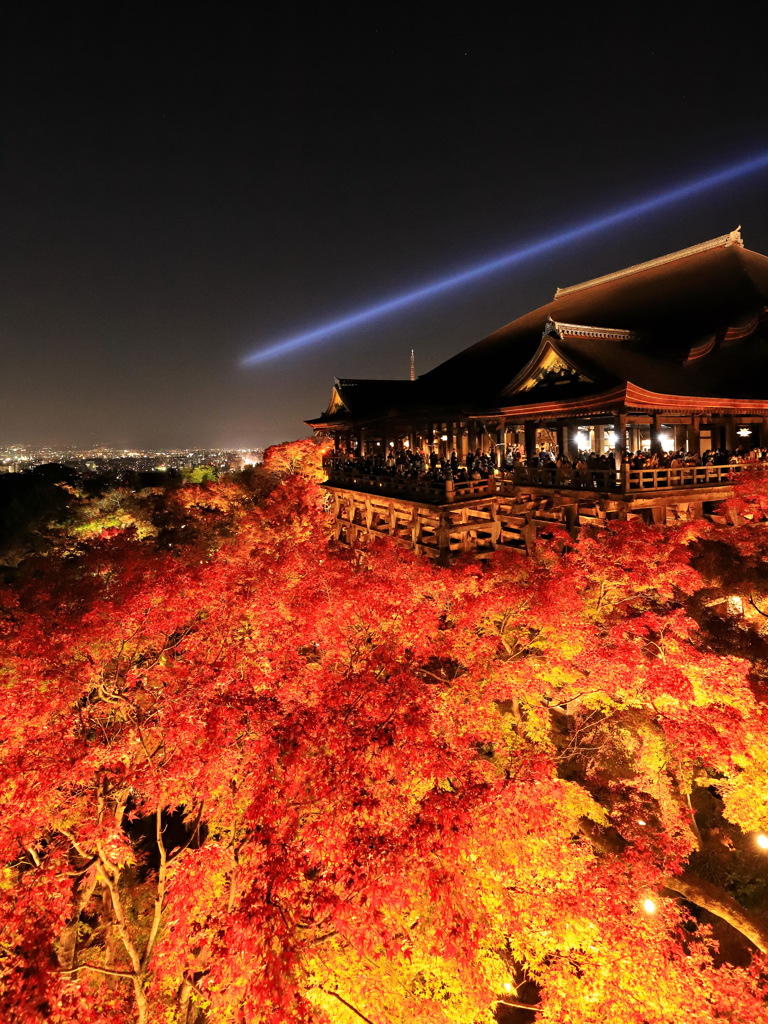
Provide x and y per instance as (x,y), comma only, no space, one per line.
(647,459)
(416,465)
(431,466)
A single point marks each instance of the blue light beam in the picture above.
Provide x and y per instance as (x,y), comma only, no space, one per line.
(525,252)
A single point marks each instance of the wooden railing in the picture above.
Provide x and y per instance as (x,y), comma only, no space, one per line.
(622,481)
(684,476)
(391,486)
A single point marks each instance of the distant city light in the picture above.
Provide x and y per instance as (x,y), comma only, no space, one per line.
(526,252)
(118,461)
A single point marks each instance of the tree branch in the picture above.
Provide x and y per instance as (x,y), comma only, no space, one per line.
(519,1006)
(718,902)
(690,886)
(99,970)
(68,941)
(192,834)
(349,1006)
(161,879)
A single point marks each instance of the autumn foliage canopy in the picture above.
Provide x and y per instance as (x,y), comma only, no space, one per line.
(249,778)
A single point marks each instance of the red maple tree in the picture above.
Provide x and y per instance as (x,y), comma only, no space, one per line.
(249,778)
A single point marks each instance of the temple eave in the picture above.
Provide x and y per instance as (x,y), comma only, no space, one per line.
(629,398)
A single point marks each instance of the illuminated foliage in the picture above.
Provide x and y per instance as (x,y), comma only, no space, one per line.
(280,783)
(297,457)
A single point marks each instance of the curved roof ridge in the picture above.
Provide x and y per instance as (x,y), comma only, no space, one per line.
(721,242)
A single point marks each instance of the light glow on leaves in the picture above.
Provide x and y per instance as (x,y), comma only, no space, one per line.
(268,782)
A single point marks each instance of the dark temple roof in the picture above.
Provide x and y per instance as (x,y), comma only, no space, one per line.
(689,302)
(354,400)
(673,302)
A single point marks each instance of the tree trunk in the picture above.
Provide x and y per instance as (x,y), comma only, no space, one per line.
(68,942)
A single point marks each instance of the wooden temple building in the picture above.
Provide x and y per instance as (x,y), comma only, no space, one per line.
(671,354)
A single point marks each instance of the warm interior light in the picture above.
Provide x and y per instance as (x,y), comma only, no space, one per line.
(391,444)
(582,439)
(443,437)
(666,442)
(649,906)
(744,432)
(610,437)
(762,841)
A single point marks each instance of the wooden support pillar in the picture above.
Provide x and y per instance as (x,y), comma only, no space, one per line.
(562,440)
(694,435)
(530,441)
(599,438)
(415,527)
(481,436)
(461,451)
(620,442)
(472,436)
(656,446)
(571,444)
(444,540)
(731,440)
(490,442)
(362,449)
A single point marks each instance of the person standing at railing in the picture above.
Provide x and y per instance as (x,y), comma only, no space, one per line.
(564,470)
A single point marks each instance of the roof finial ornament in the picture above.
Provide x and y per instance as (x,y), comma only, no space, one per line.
(413,366)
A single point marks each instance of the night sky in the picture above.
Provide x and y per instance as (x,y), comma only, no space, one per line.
(178,189)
